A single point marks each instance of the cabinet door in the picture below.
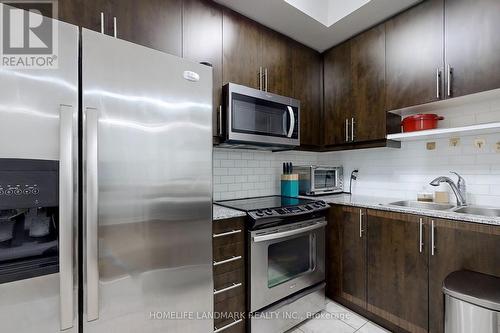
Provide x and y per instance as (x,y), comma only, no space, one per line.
(414,56)
(368,85)
(397,280)
(337,92)
(202,42)
(277,60)
(306,79)
(152,23)
(458,246)
(352,254)
(242,45)
(87,14)
(472,45)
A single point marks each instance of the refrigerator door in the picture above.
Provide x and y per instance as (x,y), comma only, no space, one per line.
(38,121)
(148,197)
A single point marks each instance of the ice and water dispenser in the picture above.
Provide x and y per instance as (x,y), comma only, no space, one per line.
(29,221)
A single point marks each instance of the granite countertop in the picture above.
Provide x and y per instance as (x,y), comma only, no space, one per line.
(222,213)
(381,204)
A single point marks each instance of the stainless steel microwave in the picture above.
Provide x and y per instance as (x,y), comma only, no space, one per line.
(317,180)
(255,118)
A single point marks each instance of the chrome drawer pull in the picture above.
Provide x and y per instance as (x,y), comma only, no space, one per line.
(217,263)
(227,233)
(235,285)
(236,322)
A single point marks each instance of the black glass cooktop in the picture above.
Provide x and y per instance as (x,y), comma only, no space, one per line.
(274,201)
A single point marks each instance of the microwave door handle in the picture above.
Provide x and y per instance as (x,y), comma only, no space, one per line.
(282,234)
(292,122)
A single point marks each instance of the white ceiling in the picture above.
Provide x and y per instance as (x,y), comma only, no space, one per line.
(317,32)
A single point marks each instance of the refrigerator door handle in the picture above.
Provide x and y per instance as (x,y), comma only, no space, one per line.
(91,202)
(66,193)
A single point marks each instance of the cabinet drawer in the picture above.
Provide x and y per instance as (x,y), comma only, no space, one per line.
(234,235)
(233,306)
(229,266)
(221,226)
(226,252)
(227,279)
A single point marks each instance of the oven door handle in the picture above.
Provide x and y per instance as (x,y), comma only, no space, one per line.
(282,234)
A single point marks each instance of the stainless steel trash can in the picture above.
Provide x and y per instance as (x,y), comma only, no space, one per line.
(472,303)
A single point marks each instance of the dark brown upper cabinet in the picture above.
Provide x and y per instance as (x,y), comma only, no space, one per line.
(151,23)
(306,79)
(472,46)
(369,119)
(337,94)
(397,279)
(242,50)
(87,14)
(414,56)
(277,63)
(202,42)
(458,246)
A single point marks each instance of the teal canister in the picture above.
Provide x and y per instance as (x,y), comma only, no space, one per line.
(290,185)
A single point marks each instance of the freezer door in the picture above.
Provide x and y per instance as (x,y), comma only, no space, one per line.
(148,196)
(38,121)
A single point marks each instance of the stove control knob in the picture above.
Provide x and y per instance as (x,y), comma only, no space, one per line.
(259,213)
(281,211)
(322,203)
(268,212)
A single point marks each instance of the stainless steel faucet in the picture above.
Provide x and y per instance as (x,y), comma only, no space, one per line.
(460,189)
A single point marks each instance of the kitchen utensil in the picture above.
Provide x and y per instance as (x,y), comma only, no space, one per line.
(420,122)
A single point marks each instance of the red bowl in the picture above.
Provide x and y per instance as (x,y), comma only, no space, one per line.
(420,122)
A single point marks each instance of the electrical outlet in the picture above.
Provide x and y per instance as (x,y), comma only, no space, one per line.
(497,147)
(431,145)
(454,142)
(479,143)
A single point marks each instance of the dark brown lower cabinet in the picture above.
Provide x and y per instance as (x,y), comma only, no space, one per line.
(229,275)
(397,273)
(347,234)
(458,246)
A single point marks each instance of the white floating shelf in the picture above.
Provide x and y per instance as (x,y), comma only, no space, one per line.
(438,133)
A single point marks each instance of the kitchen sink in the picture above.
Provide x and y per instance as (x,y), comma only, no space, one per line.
(478,210)
(423,205)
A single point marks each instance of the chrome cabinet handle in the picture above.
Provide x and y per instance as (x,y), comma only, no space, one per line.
(234,258)
(236,322)
(91,213)
(102,22)
(220,120)
(234,286)
(260,78)
(450,75)
(66,194)
(282,234)
(115,31)
(233,232)
(352,129)
(433,246)
(292,122)
(438,83)
(420,232)
(266,80)
(347,130)
(361,223)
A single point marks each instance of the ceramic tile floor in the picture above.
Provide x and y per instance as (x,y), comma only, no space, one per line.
(338,319)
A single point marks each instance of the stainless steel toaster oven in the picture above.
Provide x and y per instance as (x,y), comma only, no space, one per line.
(317,180)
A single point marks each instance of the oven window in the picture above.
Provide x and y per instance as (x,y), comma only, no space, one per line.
(325,179)
(289,259)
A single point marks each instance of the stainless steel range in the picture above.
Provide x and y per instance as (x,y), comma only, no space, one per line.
(286,261)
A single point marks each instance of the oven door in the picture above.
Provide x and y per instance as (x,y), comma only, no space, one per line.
(285,260)
(259,117)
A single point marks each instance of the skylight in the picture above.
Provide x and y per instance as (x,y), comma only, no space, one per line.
(327,12)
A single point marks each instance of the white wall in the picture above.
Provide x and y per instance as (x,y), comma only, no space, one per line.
(395,173)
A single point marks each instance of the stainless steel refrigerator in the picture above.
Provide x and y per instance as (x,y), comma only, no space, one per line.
(128,173)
